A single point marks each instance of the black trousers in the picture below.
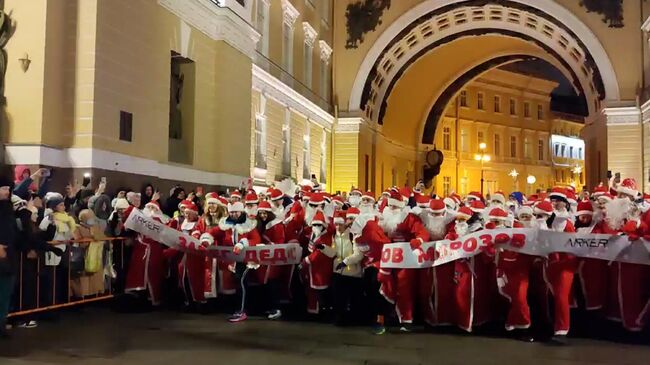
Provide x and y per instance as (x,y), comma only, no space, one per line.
(374,301)
(347,293)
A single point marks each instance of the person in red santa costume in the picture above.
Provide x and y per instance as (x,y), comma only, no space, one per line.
(215,209)
(370,238)
(401,225)
(315,204)
(514,271)
(316,267)
(629,214)
(191,266)
(560,268)
(294,221)
(438,223)
(250,204)
(277,278)
(592,272)
(237,231)
(147,266)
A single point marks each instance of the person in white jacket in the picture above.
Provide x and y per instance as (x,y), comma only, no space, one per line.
(348,271)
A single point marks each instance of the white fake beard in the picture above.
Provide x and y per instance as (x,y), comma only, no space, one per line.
(529,224)
(437,227)
(354,200)
(316,232)
(390,219)
(493,205)
(461,228)
(366,209)
(541,223)
(310,212)
(618,210)
(187,225)
(251,211)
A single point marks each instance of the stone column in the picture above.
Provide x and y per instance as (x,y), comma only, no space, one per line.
(624,142)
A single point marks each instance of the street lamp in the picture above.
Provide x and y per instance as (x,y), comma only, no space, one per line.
(577,170)
(531,180)
(513,174)
(483,157)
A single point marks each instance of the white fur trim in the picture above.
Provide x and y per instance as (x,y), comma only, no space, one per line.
(339,220)
(206,237)
(628,191)
(584,212)
(397,203)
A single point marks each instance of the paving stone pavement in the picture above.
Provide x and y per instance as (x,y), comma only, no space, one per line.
(97,336)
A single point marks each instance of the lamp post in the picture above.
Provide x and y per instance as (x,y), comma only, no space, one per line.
(531,180)
(483,157)
(577,170)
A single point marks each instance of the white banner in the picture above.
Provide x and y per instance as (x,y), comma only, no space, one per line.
(525,240)
(279,254)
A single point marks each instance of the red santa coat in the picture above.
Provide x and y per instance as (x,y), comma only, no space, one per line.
(294,223)
(371,242)
(558,272)
(147,266)
(273,234)
(410,285)
(629,298)
(593,274)
(318,265)
(191,267)
(211,273)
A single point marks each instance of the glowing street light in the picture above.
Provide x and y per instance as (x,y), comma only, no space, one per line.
(530,179)
(482,157)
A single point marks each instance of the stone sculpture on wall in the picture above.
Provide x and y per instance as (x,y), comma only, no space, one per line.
(611,10)
(363,17)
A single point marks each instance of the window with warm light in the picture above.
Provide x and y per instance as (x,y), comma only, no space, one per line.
(513,146)
(497,144)
(463,98)
(526,109)
(446,185)
(526,148)
(479,101)
(540,150)
(446,138)
(463,140)
(306,158)
(497,104)
(540,112)
(480,137)
(286,145)
(513,107)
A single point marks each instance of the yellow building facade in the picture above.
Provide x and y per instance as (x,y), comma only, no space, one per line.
(196,91)
(510,113)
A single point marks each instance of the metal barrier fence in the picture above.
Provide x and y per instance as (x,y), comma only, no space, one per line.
(42,287)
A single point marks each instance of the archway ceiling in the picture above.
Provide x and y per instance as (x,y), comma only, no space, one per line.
(444,24)
(415,92)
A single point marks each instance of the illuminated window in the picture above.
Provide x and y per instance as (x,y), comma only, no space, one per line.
(446,138)
(540,149)
(463,98)
(497,104)
(479,101)
(497,144)
(513,146)
(526,109)
(513,107)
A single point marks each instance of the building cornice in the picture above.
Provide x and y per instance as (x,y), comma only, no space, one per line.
(276,89)
(310,34)
(645,112)
(630,115)
(348,125)
(218,23)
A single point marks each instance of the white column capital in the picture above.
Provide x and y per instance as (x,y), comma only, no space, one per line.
(310,33)
(325,51)
(289,13)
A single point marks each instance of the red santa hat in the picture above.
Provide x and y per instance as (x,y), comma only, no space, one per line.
(153,205)
(498,214)
(456,198)
(422,201)
(464,212)
(235,194)
(276,194)
(385,193)
(327,197)
(450,202)
(355,191)
(305,189)
(544,207)
(558,192)
(223,201)
(437,206)
(121,203)
(338,200)
(368,195)
(319,218)
(339,217)
(599,190)
(183,204)
(499,196)
(396,199)
(236,207)
(316,199)
(585,208)
(628,186)
(477,206)
(607,196)
(264,206)
(524,210)
(190,206)
(212,198)
(475,195)
(406,192)
(352,212)
(251,198)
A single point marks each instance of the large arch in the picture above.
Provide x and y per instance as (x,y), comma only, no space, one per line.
(542,21)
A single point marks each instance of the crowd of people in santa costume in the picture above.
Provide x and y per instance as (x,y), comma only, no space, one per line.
(342,238)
